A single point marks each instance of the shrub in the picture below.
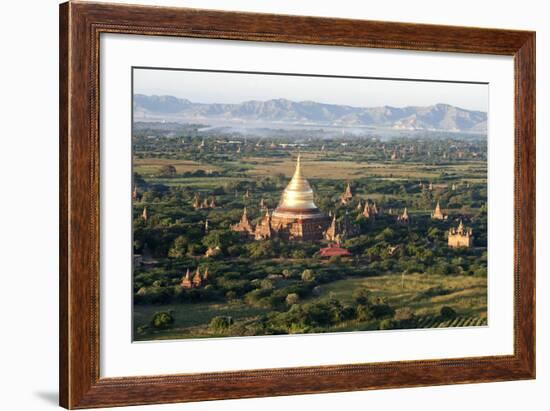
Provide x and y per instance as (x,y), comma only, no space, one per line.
(361,296)
(179,247)
(220,323)
(162,319)
(255,297)
(386,324)
(308,275)
(363,313)
(286,273)
(266,284)
(299,254)
(447,313)
(381,311)
(167,170)
(292,298)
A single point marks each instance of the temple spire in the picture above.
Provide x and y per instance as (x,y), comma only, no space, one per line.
(298,193)
(298,171)
(404,218)
(366,210)
(437,213)
(347,195)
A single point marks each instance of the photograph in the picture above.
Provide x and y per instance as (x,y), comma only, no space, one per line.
(295,203)
(275,205)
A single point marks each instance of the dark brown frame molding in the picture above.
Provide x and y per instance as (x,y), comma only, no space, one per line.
(80,27)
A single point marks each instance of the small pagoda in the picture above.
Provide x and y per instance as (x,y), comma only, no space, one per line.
(243,226)
(263,229)
(460,237)
(332,231)
(404,218)
(186,281)
(136,196)
(347,195)
(438,214)
(366,210)
(195,281)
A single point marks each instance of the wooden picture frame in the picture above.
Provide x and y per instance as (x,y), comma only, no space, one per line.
(80,27)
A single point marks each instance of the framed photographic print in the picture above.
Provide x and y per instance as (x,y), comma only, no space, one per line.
(259,205)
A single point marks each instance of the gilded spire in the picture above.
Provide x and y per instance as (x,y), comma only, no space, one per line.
(298,194)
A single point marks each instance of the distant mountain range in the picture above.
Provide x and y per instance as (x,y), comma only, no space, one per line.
(281,112)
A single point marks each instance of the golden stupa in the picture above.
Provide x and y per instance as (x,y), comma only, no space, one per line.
(297,217)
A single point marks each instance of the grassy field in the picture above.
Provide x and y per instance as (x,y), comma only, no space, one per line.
(190,319)
(465,294)
(316,169)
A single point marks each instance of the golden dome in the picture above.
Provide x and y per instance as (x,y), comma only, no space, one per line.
(298,195)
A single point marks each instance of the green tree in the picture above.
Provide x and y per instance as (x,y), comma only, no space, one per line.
(162,319)
(261,249)
(386,235)
(447,313)
(361,296)
(167,170)
(220,323)
(299,254)
(292,299)
(218,238)
(179,247)
(386,324)
(307,275)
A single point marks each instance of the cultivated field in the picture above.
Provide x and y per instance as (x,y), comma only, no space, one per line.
(318,168)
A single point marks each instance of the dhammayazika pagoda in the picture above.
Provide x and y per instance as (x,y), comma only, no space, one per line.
(297,217)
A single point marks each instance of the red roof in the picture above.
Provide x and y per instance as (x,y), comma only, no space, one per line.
(333,250)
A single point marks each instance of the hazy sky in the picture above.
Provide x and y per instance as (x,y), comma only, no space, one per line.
(215,87)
